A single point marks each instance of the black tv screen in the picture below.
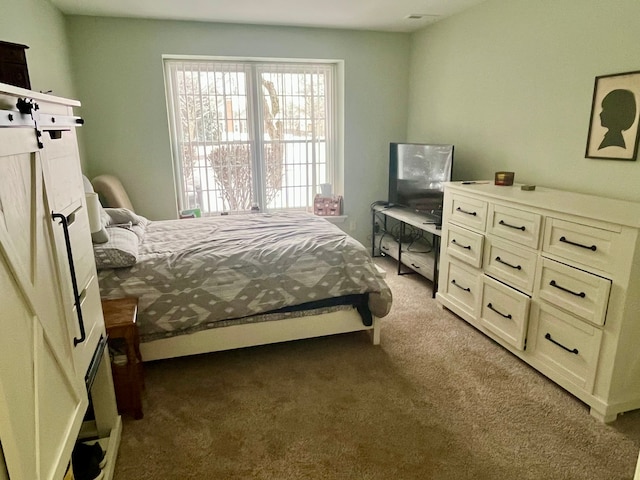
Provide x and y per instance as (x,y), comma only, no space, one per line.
(417,172)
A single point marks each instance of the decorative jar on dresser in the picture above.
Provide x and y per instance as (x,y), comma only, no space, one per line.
(554,277)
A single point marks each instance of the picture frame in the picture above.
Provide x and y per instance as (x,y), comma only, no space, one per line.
(615,117)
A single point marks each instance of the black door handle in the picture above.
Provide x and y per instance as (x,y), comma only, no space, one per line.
(505,224)
(593,248)
(574,350)
(466,289)
(473,214)
(491,307)
(74,282)
(564,289)
(466,247)
(515,267)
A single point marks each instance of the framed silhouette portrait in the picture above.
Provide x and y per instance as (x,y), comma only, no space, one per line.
(615,115)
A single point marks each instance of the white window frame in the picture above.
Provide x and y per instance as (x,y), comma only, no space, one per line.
(335,170)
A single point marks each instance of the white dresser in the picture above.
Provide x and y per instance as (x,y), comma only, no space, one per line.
(554,277)
(53,361)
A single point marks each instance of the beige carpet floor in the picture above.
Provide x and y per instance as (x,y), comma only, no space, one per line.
(436,400)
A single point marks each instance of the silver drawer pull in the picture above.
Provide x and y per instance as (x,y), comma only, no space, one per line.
(468,247)
(593,248)
(516,267)
(466,289)
(574,350)
(505,224)
(466,212)
(559,287)
(491,307)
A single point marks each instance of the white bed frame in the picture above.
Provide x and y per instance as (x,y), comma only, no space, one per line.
(243,335)
(262,333)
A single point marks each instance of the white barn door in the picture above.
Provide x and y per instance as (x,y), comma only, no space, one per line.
(42,399)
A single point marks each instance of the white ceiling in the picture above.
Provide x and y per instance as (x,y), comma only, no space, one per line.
(383,15)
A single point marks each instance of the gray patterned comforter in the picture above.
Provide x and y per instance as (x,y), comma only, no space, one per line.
(192,274)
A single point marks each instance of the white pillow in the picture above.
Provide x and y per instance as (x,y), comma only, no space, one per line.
(124,218)
(121,216)
(101,236)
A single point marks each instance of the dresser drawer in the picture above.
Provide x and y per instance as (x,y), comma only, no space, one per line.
(590,246)
(387,245)
(464,245)
(462,286)
(567,347)
(419,262)
(504,311)
(510,264)
(468,211)
(576,291)
(515,225)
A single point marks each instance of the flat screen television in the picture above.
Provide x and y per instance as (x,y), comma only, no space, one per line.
(417,172)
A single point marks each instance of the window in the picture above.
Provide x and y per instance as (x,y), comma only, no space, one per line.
(251,133)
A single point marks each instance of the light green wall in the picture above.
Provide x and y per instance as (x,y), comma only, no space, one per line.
(118,69)
(510,83)
(40,26)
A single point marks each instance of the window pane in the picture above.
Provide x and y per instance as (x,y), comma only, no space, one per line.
(227,159)
(294,115)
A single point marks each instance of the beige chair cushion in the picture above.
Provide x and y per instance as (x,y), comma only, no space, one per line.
(111,192)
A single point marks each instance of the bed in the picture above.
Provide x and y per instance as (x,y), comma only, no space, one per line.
(223,282)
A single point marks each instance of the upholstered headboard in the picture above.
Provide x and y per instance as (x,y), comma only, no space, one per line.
(112,193)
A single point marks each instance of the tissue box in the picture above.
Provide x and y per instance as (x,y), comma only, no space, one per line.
(191,213)
(327,205)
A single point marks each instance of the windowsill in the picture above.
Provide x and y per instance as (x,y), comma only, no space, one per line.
(329,218)
(334,218)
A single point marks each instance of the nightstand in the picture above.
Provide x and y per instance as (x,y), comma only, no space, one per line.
(120,317)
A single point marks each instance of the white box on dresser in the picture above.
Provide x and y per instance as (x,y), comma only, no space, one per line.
(554,277)
(52,355)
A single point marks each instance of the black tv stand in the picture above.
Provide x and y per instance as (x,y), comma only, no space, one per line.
(410,249)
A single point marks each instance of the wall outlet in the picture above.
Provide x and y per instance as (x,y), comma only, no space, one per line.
(352,225)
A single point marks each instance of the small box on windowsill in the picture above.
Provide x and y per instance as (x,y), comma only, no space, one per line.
(327,205)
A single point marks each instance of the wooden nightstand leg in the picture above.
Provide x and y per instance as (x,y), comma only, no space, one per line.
(136,345)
